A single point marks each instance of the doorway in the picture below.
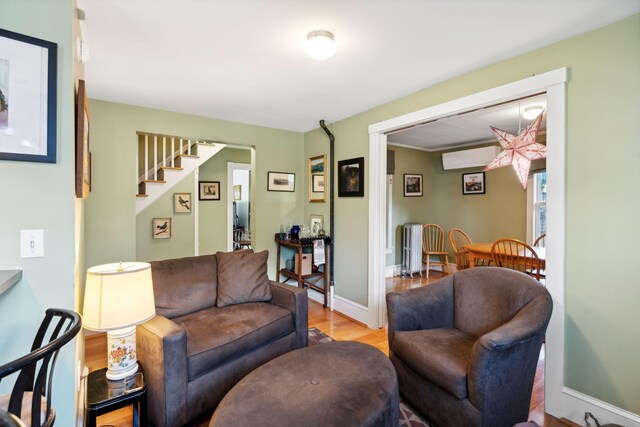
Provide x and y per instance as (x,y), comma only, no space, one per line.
(239,206)
(553,83)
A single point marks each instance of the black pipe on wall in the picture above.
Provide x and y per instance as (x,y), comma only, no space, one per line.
(331,203)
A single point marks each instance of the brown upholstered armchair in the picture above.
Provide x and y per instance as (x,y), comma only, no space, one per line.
(466,347)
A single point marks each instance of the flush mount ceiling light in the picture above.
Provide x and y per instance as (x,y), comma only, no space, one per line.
(320,44)
(532,112)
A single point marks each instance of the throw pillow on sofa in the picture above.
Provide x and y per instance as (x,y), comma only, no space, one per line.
(242,277)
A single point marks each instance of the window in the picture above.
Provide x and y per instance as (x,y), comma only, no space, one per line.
(539,204)
(389,245)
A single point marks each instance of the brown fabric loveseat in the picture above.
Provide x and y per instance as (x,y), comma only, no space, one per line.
(218,317)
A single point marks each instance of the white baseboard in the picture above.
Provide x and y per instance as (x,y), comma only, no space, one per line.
(577,403)
(452,267)
(392,270)
(343,305)
(396,270)
(351,309)
(316,296)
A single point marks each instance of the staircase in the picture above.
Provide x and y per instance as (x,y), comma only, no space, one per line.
(165,161)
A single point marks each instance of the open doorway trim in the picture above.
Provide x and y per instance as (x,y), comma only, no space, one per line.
(231,166)
(554,84)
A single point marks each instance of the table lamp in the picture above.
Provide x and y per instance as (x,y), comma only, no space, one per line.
(117,298)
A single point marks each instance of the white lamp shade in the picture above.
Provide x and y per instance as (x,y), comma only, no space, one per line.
(118,296)
(320,44)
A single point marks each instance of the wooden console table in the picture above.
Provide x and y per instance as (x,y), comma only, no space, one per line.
(304,280)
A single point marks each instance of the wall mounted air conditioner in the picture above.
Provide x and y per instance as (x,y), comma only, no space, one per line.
(470,158)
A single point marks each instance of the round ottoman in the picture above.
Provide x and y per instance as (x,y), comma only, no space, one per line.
(334,384)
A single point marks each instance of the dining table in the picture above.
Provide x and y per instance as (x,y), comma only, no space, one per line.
(483,251)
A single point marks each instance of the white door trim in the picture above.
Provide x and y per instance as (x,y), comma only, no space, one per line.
(195,207)
(231,166)
(554,84)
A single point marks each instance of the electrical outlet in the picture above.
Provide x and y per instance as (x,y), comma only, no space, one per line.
(31,243)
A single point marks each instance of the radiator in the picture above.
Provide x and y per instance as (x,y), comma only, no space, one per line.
(412,249)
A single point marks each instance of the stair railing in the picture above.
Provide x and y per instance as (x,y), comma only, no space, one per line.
(169,147)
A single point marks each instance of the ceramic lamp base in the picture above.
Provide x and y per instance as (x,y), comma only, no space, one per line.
(121,352)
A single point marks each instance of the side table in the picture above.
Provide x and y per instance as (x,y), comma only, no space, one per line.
(104,396)
(304,280)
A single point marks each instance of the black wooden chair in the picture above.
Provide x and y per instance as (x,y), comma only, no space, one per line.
(30,398)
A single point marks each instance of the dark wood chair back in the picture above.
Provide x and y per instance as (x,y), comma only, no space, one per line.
(36,368)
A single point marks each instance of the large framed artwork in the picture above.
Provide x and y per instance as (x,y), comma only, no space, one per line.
(281,181)
(83,163)
(351,177)
(27,98)
(317,177)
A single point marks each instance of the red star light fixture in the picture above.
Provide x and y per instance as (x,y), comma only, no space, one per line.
(519,150)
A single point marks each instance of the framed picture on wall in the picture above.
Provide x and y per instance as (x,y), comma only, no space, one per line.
(209,190)
(182,202)
(317,175)
(351,177)
(412,185)
(28,83)
(237,193)
(161,228)
(473,183)
(281,181)
(316,224)
(83,164)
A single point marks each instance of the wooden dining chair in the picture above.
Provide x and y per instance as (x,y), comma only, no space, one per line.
(433,246)
(458,239)
(516,255)
(241,239)
(540,241)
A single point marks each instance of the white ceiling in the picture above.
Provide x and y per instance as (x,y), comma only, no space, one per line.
(243,60)
(470,128)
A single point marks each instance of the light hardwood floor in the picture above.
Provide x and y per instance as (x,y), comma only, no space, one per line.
(339,328)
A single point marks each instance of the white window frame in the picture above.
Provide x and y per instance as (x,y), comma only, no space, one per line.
(390,239)
(533,207)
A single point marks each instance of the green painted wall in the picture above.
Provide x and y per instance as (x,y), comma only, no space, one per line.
(41,196)
(602,158)
(213,213)
(410,209)
(501,212)
(181,243)
(111,226)
(350,260)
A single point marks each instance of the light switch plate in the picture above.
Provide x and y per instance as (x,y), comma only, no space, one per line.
(31,243)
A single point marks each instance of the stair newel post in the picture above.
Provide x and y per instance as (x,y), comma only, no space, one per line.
(146,157)
(164,152)
(189,147)
(173,150)
(155,157)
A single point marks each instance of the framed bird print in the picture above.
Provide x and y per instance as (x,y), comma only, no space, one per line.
(161,228)
(182,202)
